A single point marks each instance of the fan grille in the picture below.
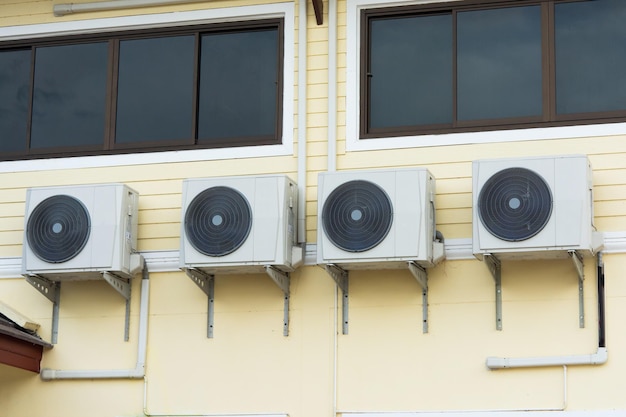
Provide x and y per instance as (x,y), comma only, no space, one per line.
(218,221)
(357,216)
(58,229)
(515,204)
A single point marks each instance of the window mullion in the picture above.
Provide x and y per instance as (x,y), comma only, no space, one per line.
(196,90)
(454,70)
(549,70)
(111,104)
(30,99)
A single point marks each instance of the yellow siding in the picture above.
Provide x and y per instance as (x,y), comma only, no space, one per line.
(385,362)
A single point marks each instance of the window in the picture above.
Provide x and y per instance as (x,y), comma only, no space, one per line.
(208,86)
(482,65)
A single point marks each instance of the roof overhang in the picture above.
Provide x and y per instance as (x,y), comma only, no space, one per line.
(20,346)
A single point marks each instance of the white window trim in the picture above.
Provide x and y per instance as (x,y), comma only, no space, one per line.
(276,10)
(353,143)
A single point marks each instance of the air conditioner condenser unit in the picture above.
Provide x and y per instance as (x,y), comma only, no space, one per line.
(239,224)
(79,232)
(377,219)
(535,207)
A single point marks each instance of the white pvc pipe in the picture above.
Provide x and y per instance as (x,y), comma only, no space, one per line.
(332,86)
(598,358)
(137,372)
(99,6)
(302,125)
(331,167)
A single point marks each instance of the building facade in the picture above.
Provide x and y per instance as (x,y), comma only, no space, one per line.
(161,96)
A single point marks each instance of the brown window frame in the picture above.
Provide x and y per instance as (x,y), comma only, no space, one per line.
(548,117)
(108,145)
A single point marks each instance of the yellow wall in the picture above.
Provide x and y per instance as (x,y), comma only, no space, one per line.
(385,362)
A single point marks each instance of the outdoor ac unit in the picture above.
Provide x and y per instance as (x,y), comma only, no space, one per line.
(538,207)
(377,219)
(239,224)
(79,232)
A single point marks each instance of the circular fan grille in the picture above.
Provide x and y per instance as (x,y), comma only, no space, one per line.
(218,221)
(58,228)
(357,216)
(515,204)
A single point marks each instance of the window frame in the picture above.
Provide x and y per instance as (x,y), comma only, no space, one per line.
(357,138)
(250,16)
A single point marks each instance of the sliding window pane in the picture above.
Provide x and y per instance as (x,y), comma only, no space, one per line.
(69,96)
(410,76)
(499,63)
(155,90)
(590,41)
(14,99)
(239,85)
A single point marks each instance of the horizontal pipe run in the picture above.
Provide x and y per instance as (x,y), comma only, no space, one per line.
(99,6)
(53,374)
(598,358)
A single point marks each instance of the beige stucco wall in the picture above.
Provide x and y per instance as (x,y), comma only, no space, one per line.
(385,362)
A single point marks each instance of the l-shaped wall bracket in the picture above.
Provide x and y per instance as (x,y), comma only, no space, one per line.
(421,276)
(495,267)
(341,278)
(52,291)
(580,270)
(206,282)
(282,280)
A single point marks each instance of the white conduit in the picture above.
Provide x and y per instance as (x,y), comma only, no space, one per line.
(99,6)
(137,372)
(598,358)
(302,126)
(332,85)
(331,167)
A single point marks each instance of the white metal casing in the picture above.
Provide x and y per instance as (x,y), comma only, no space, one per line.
(113,212)
(272,239)
(570,226)
(412,233)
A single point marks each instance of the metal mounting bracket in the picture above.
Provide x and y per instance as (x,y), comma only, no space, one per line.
(52,291)
(495,267)
(421,276)
(282,280)
(206,282)
(580,270)
(341,277)
(122,286)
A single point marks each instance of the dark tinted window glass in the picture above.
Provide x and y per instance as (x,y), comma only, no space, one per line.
(238,85)
(155,89)
(14,98)
(410,71)
(69,95)
(590,40)
(499,63)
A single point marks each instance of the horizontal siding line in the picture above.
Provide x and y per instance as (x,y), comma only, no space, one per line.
(168,260)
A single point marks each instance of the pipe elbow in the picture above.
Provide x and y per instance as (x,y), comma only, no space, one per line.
(600,357)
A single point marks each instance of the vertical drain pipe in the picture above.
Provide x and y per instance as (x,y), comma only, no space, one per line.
(601,304)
